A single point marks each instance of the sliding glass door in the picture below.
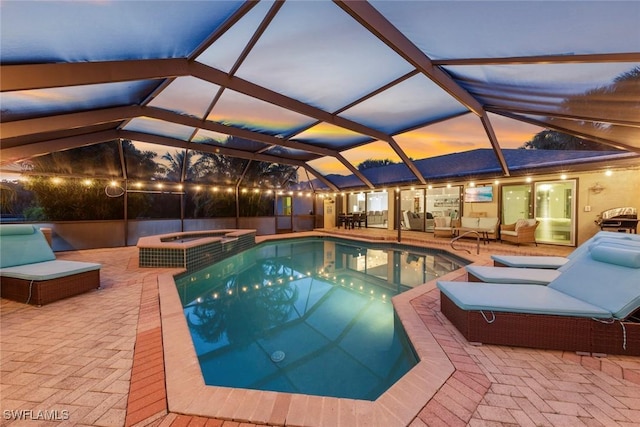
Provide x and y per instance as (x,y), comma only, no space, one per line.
(550,202)
(516,203)
(555,209)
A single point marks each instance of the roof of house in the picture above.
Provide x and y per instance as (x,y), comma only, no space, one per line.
(479,164)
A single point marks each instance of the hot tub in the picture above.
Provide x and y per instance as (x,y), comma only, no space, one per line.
(193,250)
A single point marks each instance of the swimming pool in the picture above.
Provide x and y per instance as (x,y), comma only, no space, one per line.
(309,316)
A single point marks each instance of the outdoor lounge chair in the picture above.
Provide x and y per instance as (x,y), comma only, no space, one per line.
(30,273)
(537,276)
(553,262)
(591,306)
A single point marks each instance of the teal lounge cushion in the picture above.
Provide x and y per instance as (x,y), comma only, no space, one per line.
(16,229)
(615,235)
(48,270)
(530,261)
(21,249)
(533,276)
(629,244)
(613,287)
(601,235)
(617,254)
(518,298)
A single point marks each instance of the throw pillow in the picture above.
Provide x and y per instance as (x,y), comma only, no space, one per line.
(442,221)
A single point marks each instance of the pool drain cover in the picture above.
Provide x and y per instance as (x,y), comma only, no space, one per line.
(277,356)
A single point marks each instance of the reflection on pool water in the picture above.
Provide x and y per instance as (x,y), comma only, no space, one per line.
(311,316)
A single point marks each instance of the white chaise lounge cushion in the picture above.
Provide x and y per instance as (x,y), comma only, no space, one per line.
(518,298)
(48,270)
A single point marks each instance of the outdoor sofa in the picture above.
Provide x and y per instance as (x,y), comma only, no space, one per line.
(592,306)
(417,221)
(30,272)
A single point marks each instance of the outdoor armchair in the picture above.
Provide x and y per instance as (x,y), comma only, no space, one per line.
(522,231)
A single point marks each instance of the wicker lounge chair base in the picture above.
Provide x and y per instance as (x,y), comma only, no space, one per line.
(520,330)
(616,338)
(472,278)
(567,333)
(40,292)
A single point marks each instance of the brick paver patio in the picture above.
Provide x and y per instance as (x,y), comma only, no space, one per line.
(97,359)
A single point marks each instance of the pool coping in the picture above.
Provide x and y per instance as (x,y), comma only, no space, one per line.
(398,406)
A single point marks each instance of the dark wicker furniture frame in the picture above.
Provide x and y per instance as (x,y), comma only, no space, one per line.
(40,292)
(567,333)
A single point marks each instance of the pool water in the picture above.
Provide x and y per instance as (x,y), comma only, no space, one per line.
(311,316)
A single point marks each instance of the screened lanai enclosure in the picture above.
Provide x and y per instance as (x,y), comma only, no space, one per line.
(227,109)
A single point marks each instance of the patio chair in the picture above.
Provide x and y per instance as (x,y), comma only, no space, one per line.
(443,226)
(521,231)
(359,219)
(590,307)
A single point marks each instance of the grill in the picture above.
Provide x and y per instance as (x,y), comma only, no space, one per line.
(619,219)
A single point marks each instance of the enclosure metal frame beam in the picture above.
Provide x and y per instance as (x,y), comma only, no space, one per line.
(377,24)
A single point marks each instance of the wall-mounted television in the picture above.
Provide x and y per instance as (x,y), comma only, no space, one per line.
(478,194)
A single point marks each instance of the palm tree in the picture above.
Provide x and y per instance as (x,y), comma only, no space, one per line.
(553,140)
(8,197)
